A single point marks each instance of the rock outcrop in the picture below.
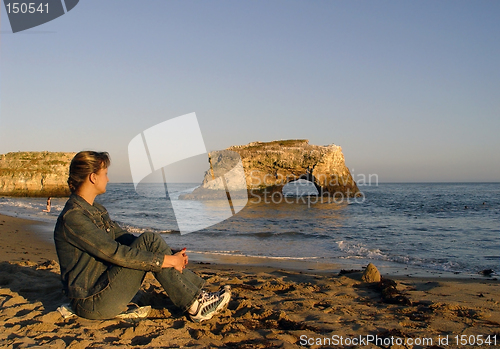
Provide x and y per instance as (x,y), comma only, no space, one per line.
(34,173)
(269,166)
(371,274)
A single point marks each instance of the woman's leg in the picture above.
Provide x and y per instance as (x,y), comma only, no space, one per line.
(182,288)
(124,283)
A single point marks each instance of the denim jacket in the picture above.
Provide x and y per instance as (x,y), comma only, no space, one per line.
(88,243)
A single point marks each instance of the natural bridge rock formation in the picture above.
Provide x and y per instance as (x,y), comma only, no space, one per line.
(34,173)
(268,166)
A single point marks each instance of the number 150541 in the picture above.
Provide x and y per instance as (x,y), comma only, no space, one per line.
(23,7)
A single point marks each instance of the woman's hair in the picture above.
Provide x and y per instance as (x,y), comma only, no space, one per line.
(83,164)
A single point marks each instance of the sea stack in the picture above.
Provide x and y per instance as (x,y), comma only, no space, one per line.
(269,166)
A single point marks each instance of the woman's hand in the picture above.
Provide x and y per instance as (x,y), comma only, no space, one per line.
(177,261)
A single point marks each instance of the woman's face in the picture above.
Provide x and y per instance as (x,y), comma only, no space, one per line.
(101,180)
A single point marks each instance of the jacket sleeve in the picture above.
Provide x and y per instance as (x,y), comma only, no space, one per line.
(87,236)
(121,235)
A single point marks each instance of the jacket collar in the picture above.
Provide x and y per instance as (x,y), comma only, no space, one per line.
(78,200)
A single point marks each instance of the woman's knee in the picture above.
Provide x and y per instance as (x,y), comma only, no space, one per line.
(152,242)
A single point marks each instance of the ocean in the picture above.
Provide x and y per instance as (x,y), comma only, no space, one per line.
(451,228)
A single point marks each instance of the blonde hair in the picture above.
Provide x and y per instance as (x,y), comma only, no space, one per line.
(84,164)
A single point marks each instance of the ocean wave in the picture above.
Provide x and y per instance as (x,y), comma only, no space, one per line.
(240,254)
(355,249)
(283,234)
(140,230)
(359,251)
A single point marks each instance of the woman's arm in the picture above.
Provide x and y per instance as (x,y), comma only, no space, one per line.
(81,232)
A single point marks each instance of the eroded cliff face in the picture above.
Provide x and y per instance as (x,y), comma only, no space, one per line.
(268,166)
(34,173)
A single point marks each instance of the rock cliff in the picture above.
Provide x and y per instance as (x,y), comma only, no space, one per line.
(34,173)
(268,166)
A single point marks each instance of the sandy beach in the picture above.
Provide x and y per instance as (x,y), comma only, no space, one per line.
(271,307)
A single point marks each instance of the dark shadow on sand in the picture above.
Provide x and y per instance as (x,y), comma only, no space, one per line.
(36,282)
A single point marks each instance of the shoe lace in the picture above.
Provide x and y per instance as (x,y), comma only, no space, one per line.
(209,301)
(208,296)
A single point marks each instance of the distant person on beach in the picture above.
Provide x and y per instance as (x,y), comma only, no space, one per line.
(103,266)
(48,205)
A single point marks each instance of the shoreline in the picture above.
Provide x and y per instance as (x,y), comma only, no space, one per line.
(272,305)
(42,233)
(388,269)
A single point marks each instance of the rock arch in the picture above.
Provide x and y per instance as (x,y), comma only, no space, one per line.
(269,166)
(304,181)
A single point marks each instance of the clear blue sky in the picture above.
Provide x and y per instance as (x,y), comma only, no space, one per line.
(409,89)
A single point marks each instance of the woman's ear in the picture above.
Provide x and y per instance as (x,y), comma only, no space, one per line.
(93,178)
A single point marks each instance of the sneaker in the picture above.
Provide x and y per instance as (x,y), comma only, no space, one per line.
(211,303)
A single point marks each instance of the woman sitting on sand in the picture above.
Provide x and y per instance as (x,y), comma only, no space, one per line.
(103,266)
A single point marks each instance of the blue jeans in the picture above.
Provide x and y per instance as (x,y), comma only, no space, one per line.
(124,283)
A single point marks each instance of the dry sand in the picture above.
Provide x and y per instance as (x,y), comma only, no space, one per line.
(270,308)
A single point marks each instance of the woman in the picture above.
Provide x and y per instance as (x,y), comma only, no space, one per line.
(48,205)
(103,266)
